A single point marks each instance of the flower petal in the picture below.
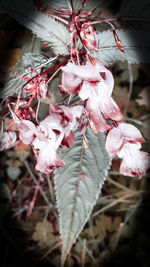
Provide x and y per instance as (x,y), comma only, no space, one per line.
(95,115)
(88,90)
(27,131)
(135,162)
(114,142)
(47,159)
(49,131)
(43,88)
(64,111)
(86,72)
(68,139)
(70,82)
(130,132)
(110,109)
(106,75)
(8,140)
(119,136)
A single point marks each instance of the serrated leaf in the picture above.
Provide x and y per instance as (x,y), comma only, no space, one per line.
(91,4)
(136,44)
(13,84)
(46,28)
(78,186)
(31,44)
(63,3)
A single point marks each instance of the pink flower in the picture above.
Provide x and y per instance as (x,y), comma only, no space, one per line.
(68,139)
(135,162)
(49,135)
(36,86)
(68,118)
(8,140)
(47,159)
(95,85)
(88,36)
(120,135)
(125,141)
(43,89)
(27,131)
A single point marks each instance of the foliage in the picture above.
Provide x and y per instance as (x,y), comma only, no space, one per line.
(60,95)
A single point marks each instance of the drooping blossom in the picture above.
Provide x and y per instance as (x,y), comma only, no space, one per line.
(54,130)
(8,139)
(49,135)
(125,142)
(68,118)
(27,131)
(36,86)
(88,36)
(45,138)
(22,110)
(135,161)
(26,128)
(93,84)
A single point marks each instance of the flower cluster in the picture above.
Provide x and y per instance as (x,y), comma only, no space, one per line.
(125,141)
(94,83)
(54,130)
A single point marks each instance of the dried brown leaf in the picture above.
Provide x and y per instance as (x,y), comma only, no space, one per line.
(43,234)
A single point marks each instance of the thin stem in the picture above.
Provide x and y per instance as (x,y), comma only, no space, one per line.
(39,66)
(102,21)
(126,47)
(36,182)
(130,88)
(115,202)
(53,75)
(83,252)
(58,244)
(116,184)
(47,213)
(87,250)
(60,19)
(50,187)
(119,18)
(33,201)
(54,67)
(37,109)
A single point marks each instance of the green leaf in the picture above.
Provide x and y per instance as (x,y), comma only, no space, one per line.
(78,185)
(136,44)
(49,30)
(13,84)
(31,44)
(91,4)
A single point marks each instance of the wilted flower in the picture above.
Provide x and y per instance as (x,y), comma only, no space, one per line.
(8,140)
(125,141)
(94,84)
